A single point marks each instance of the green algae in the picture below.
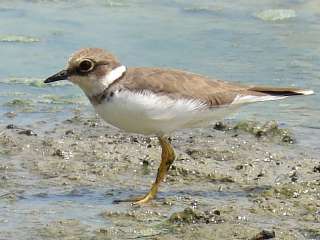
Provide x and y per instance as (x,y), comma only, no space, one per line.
(214,177)
(112,3)
(313,233)
(268,129)
(19,103)
(18,39)
(33,82)
(188,215)
(56,99)
(276,14)
(191,216)
(4,152)
(285,191)
(292,190)
(203,9)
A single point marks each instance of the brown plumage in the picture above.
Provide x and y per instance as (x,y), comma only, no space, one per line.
(178,84)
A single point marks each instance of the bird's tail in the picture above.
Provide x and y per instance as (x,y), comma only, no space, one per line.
(285,91)
(262,93)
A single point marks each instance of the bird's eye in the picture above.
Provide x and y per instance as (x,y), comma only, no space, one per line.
(86,65)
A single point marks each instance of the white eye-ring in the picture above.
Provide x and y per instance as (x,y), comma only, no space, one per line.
(86,65)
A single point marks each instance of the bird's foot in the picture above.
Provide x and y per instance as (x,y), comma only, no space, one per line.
(139,200)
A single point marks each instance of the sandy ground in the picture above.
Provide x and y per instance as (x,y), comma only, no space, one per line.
(250,181)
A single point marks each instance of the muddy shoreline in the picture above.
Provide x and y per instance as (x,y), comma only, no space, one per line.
(228,182)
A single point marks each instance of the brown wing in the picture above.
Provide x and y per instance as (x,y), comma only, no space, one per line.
(177,84)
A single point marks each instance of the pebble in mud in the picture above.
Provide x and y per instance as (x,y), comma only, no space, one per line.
(28,132)
(69,132)
(222,155)
(221,126)
(10,114)
(11,126)
(239,167)
(264,234)
(190,215)
(63,154)
(294,176)
(316,168)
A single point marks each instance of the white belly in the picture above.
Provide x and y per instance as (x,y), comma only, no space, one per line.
(148,113)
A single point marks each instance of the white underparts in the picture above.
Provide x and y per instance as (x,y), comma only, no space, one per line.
(149,113)
(159,106)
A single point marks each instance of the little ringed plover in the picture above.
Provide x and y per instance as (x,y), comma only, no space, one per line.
(157,101)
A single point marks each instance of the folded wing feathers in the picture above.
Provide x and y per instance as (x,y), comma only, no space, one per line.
(268,94)
(281,91)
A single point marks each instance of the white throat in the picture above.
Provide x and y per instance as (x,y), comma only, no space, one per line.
(96,86)
(114,75)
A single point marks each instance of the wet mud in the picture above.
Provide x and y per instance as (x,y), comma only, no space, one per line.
(246,180)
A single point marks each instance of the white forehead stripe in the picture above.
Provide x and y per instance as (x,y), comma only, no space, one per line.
(114,75)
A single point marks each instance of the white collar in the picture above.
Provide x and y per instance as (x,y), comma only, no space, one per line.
(114,74)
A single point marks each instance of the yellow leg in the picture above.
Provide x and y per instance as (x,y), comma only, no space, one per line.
(167,158)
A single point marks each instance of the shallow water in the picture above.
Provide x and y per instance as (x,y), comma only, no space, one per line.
(233,40)
(222,39)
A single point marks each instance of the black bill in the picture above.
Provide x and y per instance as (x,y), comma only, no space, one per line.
(62,75)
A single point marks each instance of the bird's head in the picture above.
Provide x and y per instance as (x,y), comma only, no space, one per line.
(92,69)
